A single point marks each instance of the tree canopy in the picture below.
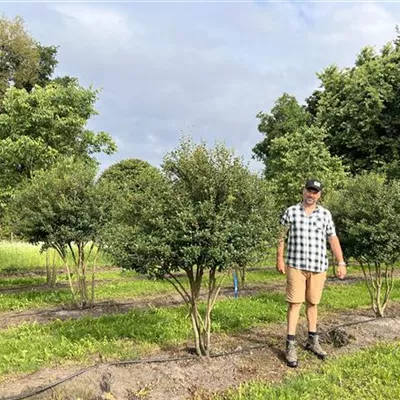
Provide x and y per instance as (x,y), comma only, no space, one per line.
(37,127)
(298,156)
(23,61)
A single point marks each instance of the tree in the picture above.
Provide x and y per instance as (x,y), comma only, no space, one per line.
(366,213)
(19,55)
(359,108)
(205,213)
(24,62)
(64,209)
(286,117)
(38,127)
(124,174)
(298,156)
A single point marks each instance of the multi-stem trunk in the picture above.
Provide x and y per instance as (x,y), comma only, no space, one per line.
(379,282)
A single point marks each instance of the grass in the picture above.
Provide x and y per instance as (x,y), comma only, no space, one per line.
(121,336)
(17,257)
(368,374)
(30,347)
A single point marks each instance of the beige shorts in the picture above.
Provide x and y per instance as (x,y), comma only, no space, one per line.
(304,285)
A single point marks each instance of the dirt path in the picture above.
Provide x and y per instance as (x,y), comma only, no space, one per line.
(255,354)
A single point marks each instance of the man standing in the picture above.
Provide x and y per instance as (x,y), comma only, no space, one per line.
(307,224)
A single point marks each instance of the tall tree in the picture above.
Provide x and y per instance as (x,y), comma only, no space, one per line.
(360,109)
(300,155)
(37,127)
(286,117)
(19,55)
(24,62)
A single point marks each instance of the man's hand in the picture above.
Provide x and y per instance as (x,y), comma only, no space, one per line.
(341,271)
(281,267)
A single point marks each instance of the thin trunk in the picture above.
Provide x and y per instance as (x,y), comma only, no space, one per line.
(367,280)
(48,274)
(54,273)
(93,270)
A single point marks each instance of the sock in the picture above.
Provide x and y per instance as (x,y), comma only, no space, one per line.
(290,338)
(312,334)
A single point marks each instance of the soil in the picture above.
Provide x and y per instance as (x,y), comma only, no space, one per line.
(175,374)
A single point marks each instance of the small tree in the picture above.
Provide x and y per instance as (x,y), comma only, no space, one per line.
(64,209)
(366,213)
(204,213)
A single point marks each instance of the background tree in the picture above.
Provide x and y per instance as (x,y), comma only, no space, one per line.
(298,156)
(366,213)
(205,213)
(37,128)
(360,109)
(124,174)
(286,117)
(23,61)
(64,209)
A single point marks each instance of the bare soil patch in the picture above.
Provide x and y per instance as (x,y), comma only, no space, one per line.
(256,354)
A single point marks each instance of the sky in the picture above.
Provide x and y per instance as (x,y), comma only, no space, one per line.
(202,69)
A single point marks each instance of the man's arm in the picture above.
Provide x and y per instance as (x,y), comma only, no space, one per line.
(337,252)
(280,251)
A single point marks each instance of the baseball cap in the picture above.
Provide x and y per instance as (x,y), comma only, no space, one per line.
(314,184)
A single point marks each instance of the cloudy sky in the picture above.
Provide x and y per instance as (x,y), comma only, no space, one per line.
(199,68)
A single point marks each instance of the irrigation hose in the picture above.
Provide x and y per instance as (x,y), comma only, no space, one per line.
(158,360)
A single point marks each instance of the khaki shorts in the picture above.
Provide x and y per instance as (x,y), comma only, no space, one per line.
(304,285)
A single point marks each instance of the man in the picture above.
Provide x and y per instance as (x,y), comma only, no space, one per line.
(307,224)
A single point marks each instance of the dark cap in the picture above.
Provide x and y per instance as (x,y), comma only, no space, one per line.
(314,184)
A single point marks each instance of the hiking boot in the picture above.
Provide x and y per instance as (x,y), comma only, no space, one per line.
(291,354)
(314,346)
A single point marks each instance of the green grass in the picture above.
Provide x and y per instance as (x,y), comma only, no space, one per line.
(368,374)
(32,346)
(128,285)
(17,257)
(131,335)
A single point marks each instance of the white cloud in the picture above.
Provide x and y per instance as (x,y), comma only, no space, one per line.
(201,68)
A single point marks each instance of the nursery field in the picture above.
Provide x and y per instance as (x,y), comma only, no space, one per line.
(136,341)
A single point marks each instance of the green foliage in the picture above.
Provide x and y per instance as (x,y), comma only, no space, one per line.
(352,377)
(286,117)
(359,107)
(298,156)
(124,175)
(61,207)
(37,127)
(19,55)
(206,211)
(366,213)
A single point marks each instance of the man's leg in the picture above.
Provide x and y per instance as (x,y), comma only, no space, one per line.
(295,296)
(312,316)
(293,313)
(315,284)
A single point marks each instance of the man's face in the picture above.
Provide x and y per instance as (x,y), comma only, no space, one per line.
(311,196)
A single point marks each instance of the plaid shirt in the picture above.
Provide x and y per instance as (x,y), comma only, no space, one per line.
(306,247)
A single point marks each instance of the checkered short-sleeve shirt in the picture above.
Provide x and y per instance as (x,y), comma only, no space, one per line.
(306,247)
